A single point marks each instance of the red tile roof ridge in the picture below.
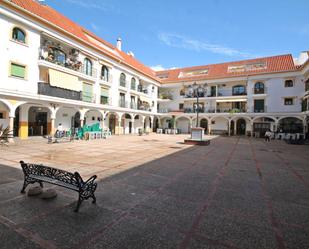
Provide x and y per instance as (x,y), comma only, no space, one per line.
(230,63)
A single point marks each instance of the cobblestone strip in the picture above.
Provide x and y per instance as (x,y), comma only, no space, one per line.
(189,234)
(273,221)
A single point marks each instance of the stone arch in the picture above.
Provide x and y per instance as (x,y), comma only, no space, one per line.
(297,117)
(183,124)
(6,113)
(218,128)
(93,116)
(270,117)
(292,124)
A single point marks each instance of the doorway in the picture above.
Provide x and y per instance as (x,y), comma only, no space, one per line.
(204,124)
(241,127)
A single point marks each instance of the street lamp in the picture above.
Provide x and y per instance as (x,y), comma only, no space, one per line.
(197,132)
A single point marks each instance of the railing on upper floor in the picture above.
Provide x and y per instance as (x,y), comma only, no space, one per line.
(259,90)
(71,64)
(47,89)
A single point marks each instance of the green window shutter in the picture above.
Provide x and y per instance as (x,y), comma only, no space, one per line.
(87,92)
(104,92)
(18,70)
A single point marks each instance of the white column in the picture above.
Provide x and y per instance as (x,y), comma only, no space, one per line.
(235,127)
(11,129)
(229,127)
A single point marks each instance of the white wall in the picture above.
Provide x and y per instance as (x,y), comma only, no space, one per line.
(25,54)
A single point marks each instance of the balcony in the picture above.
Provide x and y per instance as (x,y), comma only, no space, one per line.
(90,98)
(260,110)
(105,100)
(47,89)
(63,56)
(259,90)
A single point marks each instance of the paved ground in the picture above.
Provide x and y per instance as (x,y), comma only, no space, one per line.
(155,192)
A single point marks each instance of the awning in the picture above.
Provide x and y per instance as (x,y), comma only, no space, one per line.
(64,80)
(145,99)
(231,100)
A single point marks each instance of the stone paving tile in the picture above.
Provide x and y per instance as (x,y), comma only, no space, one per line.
(168,210)
(197,242)
(66,228)
(11,239)
(295,237)
(291,213)
(131,233)
(244,234)
(159,193)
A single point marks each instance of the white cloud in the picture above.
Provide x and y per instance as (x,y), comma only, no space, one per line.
(180,41)
(158,68)
(94,27)
(90,4)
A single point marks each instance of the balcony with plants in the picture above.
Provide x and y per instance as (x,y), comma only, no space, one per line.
(63,56)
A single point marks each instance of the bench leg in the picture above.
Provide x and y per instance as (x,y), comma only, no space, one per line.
(26,183)
(94,199)
(79,202)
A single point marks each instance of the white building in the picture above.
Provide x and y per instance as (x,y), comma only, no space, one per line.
(56,72)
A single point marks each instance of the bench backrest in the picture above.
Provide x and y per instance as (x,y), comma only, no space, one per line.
(53,173)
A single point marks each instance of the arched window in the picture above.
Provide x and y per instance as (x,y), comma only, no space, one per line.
(259,88)
(19,35)
(239,90)
(133,84)
(105,73)
(87,67)
(122,80)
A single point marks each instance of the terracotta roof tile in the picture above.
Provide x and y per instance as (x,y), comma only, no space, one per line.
(52,16)
(280,63)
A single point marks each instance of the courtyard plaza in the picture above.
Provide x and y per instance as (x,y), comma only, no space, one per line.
(155,192)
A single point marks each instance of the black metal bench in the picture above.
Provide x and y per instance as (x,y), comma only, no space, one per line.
(38,173)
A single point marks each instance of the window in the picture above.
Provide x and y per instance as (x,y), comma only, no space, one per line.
(307,85)
(259,105)
(59,56)
(133,84)
(288,101)
(180,106)
(1,115)
(133,103)
(259,88)
(105,73)
(122,98)
(18,71)
(122,80)
(104,96)
(87,67)
(87,92)
(239,90)
(182,92)
(19,35)
(288,83)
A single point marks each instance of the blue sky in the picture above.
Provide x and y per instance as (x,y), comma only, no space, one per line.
(179,33)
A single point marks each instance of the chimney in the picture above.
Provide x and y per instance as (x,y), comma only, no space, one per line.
(303,57)
(119,44)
